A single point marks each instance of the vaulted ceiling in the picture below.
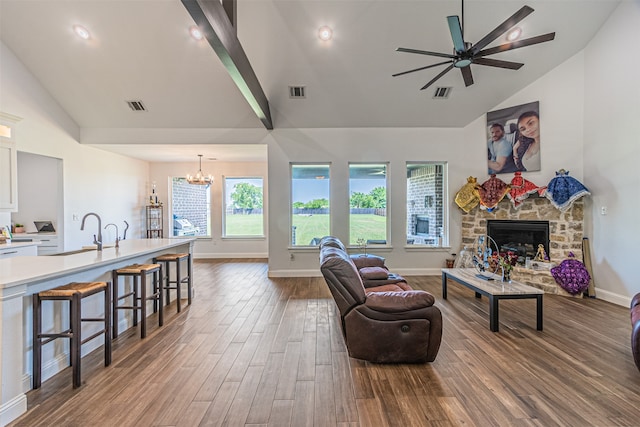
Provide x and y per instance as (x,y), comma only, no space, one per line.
(142,50)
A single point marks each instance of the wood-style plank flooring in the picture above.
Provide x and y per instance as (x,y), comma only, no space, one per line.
(254,351)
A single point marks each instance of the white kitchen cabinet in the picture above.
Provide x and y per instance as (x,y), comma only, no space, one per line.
(48,245)
(8,163)
(10,251)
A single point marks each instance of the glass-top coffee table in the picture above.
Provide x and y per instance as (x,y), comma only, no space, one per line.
(494,289)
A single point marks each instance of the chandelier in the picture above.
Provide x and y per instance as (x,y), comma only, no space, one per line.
(200,178)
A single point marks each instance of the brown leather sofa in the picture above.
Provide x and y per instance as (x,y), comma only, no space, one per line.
(635,329)
(383,324)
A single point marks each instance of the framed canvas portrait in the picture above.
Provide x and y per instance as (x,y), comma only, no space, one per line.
(513,139)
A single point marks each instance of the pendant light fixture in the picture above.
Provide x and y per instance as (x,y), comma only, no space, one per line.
(200,178)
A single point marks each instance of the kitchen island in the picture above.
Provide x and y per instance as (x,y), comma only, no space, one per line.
(20,277)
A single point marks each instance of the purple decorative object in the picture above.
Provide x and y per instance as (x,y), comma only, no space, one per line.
(571,275)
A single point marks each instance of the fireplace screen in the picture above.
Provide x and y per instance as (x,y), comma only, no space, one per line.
(519,237)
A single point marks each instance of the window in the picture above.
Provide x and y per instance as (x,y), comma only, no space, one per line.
(191,208)
(309,204)
(243,207)
(368,204)
(426,207)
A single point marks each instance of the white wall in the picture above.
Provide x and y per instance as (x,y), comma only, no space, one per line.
(94,180)
(341,146)
(561,97)
(611,152)
(216,246)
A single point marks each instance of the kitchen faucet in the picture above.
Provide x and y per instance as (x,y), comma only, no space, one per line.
(124,233)
(97,241)
(117,238)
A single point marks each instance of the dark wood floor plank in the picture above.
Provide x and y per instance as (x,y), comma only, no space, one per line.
(288,376)
(256,351)
(281,413)
(304,404)
(260,410)
(345,401)
(324,406)
(219,406)
(239,410)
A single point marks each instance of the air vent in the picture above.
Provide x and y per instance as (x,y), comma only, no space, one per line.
(136,105)
(297,92)
(442,92)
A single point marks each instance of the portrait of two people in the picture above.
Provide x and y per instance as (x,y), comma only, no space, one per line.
(513,139)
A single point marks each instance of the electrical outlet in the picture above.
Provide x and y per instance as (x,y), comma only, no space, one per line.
(603,210)
(291,257)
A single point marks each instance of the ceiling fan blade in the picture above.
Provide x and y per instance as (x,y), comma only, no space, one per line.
(456,33)
(421,68)
(442,73)
(497,63)
(517,44)
(425,52)
(501,29)
(467,76)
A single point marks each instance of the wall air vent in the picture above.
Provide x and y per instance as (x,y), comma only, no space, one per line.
(442,93)
(136,105)
(297,92)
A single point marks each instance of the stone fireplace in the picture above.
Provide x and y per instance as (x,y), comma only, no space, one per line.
(565,234)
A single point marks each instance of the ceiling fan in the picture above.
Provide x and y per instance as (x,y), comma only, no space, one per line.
(465,54)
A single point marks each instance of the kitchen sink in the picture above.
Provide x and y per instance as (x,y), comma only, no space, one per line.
(78,251)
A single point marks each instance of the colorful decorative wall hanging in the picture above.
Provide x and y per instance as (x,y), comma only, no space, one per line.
(563,190)
(521,189)
(467,198)
(491,192)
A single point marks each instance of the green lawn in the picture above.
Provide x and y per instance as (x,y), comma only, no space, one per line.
(244,225)
(366,226)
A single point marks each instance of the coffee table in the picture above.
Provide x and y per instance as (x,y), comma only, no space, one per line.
(494,289)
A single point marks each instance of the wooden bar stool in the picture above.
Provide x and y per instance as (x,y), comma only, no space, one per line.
(74,293)
(138,293)
(166,260)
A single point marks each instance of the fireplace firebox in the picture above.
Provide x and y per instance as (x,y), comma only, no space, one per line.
(519,237)
(421,225)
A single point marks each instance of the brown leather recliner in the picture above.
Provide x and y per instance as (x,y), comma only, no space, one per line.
(635,329)
(379,325)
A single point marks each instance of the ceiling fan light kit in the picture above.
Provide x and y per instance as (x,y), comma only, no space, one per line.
(465,53)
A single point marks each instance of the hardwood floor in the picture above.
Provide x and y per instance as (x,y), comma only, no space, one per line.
(256,351)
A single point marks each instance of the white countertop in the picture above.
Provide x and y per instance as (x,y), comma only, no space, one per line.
(27,269)
(14,245)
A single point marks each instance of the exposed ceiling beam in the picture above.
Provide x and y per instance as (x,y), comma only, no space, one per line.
(231,7)
(212,20)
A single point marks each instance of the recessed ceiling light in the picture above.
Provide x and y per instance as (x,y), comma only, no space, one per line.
(325,33)
(81,32)
(195,32)
(514,34)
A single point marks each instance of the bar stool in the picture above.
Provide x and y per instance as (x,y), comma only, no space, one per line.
(166,260)
(139,272)
(74,293)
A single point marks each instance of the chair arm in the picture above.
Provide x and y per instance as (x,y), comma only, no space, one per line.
(362,261)
(393,302)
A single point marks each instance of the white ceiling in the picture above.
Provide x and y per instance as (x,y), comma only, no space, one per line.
(141,50)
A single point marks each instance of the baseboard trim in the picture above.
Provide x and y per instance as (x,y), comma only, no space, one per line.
(613,298)
(230,255)
(13,409)
(294,273)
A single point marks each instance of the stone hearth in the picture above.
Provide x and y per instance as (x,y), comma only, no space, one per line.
(565,234)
